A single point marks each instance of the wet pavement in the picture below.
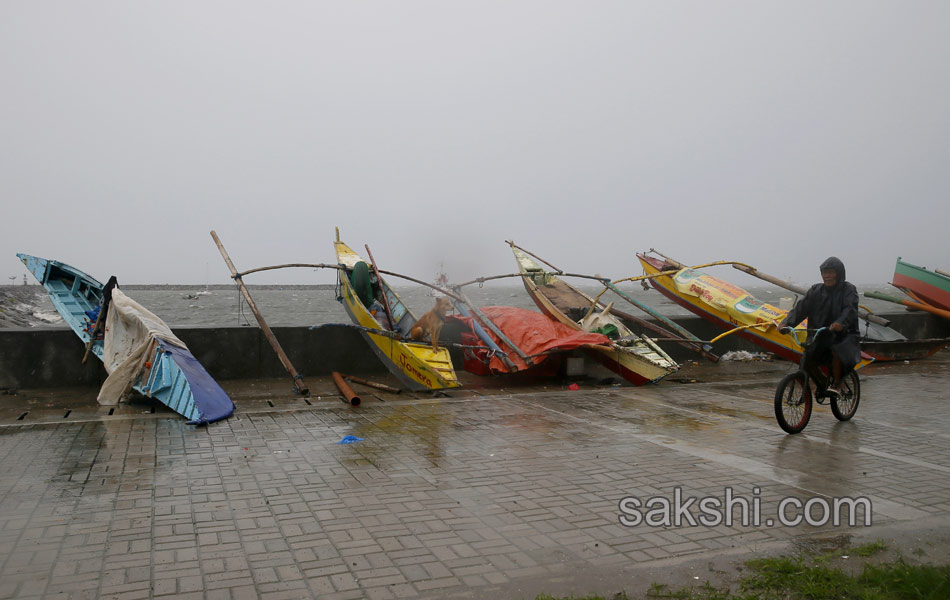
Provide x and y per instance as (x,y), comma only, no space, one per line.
(485,492)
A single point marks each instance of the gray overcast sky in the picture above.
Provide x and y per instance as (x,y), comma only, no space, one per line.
(777,133)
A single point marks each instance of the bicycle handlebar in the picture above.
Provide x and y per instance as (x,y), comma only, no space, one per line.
(794,332)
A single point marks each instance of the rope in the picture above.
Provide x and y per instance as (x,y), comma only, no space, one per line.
(240,307)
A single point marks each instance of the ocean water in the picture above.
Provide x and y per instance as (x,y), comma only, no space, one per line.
(299,306)
(309,306)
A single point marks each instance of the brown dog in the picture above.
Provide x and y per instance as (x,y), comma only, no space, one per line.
(432,322)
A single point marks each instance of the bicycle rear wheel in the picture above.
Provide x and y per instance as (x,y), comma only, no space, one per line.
(793,401)
(845,405)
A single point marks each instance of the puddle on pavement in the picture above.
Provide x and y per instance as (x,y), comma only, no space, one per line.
(423,424)
(662,422)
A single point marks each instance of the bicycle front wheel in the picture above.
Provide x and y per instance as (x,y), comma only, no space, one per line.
(845,405)
(793,402)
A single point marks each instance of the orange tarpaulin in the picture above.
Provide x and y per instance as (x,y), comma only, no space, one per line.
(533,332)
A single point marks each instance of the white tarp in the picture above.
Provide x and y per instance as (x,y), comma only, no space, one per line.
(130,329)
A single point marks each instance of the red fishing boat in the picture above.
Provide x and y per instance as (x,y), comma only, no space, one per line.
(924,285)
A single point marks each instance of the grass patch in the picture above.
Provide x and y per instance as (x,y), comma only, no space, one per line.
(814,577)
(869,549)
(703,592)
(620,596)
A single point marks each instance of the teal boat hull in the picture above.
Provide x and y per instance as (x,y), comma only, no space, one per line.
(172,375)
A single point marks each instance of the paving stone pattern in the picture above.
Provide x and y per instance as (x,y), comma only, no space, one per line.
(462,497)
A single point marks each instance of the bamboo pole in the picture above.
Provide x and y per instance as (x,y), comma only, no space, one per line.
(101,317)
(289,265)
(481,280)
(395,335)
(797,289)
(688,339)
(487,322)
(910,304)
(299,386)
(379,282)
(372,384)
(749,269)
(696,344)
(770,278)
(95,331)
(514,245)
(740,328)
(483,335)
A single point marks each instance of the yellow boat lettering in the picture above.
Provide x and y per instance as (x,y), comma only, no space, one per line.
(409,368)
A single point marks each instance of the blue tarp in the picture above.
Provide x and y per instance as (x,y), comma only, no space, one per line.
(212,402)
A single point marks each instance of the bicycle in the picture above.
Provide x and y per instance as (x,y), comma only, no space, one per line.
(793,397)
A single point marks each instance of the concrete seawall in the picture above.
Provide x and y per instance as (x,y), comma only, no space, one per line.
(50,357)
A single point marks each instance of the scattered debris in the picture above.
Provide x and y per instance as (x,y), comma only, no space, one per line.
(744,356)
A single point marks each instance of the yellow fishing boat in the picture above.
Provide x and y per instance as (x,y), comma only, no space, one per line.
(722,303)
(384,320)
(727,306)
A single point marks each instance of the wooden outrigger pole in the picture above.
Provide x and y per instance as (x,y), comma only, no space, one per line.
(456,295)
(749,269)
(299,386)
(480,316)
(910,304)
(798,289)
(681,335)
(389,311)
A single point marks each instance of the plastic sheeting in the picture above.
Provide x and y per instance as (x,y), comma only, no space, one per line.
(211,401)
(534,333)
(130,328)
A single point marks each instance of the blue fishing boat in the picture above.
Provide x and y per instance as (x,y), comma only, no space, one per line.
(163,368)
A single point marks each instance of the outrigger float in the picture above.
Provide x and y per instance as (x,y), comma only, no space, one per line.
(138,349)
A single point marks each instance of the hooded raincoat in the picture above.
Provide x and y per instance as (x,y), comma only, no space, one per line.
(823,305)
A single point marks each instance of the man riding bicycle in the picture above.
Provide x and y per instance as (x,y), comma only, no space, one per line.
(832,304)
